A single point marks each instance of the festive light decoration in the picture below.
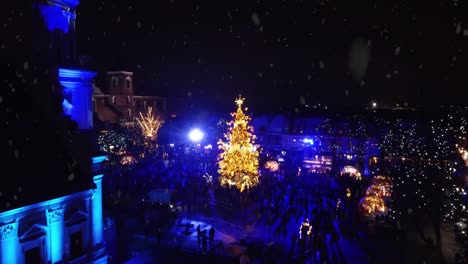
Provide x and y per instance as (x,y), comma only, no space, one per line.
(348,192)
(378,190)
(372,206)
(463,153)
(238,160)
(305,229)
(121,139)
(271,165)
(352,172)
(128,160)
(381,186)
(208,178)
(149,124)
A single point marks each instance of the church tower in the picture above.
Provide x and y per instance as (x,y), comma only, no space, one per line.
(121,94)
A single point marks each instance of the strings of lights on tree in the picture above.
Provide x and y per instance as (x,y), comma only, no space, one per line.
(150,124)
(238,158)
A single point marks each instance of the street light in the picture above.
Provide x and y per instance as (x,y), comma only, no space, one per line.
(196,135)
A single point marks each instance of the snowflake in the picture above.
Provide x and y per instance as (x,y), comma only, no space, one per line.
(71,177)
(458,30)
(255,19)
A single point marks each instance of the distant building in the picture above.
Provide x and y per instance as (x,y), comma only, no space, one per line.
(120,102)
(318,141)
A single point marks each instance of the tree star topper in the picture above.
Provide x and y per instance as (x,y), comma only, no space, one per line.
(239,101)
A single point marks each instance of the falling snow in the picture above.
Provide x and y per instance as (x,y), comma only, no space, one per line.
(256,19)
(458,29)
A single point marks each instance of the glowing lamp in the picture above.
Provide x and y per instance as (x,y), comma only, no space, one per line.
(196,135)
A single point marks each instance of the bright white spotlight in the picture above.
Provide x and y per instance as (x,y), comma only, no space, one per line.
(196,135)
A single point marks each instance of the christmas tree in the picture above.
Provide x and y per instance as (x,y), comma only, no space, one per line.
(150,125)
(238,160)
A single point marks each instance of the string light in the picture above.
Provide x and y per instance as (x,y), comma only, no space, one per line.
(238,159)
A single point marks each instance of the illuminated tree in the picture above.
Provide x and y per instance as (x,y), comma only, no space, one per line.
(238,160)
(149,124)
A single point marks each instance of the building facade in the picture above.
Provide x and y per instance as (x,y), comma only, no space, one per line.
(120,102)
(67,226)
(65,229)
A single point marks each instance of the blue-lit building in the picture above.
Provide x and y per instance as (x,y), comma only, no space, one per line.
(64,229)
(51,207)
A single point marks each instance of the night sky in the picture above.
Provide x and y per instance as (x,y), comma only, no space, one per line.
(284,52)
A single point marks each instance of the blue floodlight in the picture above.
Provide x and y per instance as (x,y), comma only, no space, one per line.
(196,135)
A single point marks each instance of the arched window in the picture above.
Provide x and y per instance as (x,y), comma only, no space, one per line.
(129,112)
(128,99)
(128,83)
(113,100)
(114,82)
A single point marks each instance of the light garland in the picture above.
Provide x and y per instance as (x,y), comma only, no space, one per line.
(149,124)
(238,160)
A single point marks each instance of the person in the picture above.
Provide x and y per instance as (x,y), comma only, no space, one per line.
(198,232)
(212,234)
(204,242)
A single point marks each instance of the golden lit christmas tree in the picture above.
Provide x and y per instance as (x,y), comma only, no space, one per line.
(149,124)
(238,160)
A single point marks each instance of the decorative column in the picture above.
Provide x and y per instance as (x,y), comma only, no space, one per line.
(97,212)
(9,243)
(99,249)
(78,92)
(99,254)
(55,234)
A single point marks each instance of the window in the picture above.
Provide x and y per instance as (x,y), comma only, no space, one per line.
(128,100)
(129,112)
(113,100)
(127,82)
(33,256)
(76,245)
(114,82)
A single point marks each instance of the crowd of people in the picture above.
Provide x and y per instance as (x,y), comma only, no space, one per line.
(326,202)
